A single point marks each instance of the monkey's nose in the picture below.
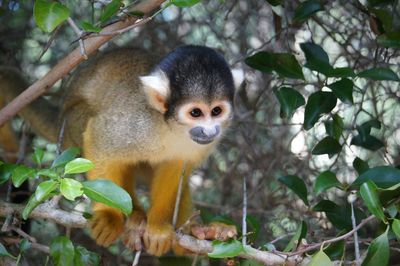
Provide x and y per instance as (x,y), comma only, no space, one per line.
(204,135)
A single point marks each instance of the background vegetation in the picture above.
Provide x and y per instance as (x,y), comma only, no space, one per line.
(319,109)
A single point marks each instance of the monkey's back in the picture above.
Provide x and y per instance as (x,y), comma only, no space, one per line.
(108,85)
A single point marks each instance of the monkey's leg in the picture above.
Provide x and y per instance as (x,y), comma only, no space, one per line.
(107,223)
(159,233)
(136,224)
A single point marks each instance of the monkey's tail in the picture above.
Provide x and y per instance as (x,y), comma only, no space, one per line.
(42,116)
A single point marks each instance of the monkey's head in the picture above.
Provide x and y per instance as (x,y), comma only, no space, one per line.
(193,87)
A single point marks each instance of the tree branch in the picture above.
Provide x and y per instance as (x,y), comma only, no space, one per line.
(49,212)
(70,62)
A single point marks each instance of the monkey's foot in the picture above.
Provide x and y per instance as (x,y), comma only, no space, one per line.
(106,225)
(214,230)
(134,230)
(158,238)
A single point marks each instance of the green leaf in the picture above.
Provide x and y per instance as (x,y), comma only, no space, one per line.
(327,145)
(78,165)
(32,204)
(49,173)
(338,215)
(254,227)
(379,73)
(320,259)
(295,241)
(71,188)
(343,89)
(110,10)
(297,185)
(382,176)
(109,193)
(378,251)
(334,127)
(185,3)
(227,249)
(289,99)
(365,129)
(379,2)
(284,64)
(396,228)
(369,142)
(340,72)
(6,170)
(335,250)
(306,10)
(65,157)
(384,18)
(369,194)
(320,102)
(360,165)
(44,189)
(85,257)
(88,27)
(62,251)
(274,2)
(317,59)
(326,180)
(389,39)
(20,174)
(4,252)
(24,245)
(49,14)
(38,156)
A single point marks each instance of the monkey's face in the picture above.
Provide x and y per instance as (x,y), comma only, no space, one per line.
(205,122)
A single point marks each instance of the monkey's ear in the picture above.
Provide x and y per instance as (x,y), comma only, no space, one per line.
(156,88)
(238,77)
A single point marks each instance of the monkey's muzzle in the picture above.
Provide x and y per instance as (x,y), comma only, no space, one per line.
(204,135)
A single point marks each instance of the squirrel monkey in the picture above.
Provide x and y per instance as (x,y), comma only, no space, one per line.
(135,118)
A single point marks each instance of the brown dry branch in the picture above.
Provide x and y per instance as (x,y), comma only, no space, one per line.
(71,61)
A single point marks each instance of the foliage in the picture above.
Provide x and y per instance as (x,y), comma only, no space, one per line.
(333,69)
(57,180)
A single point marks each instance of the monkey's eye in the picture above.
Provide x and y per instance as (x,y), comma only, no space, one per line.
(216,111)
(196,112)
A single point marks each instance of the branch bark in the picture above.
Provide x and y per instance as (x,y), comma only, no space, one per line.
(48,211)
(70,62)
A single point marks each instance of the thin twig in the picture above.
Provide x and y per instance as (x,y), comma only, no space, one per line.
(23,234)
(355,235)
(244,215)
(40,247)
(178,196)
(137,257)
(60,138)
(79,33)
(342,237)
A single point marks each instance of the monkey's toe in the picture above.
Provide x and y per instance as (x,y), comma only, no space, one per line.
(134,231)
(158,239)
(214,230)
(106,226)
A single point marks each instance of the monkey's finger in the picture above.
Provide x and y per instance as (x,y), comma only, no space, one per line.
(103,238)
(198,232)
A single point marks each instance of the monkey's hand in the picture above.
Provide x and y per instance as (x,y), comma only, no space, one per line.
(214,230)
(158,238)
(134,230)
(107,225)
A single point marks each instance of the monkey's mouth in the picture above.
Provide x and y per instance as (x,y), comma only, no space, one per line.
(202,141)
